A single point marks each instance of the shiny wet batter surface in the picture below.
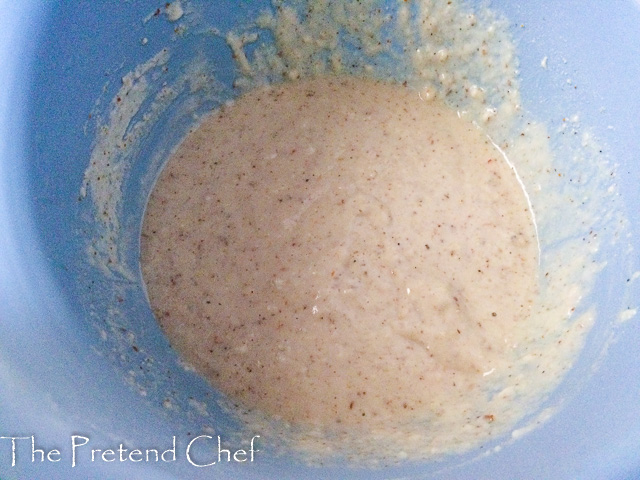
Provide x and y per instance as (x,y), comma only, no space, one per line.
(340,253)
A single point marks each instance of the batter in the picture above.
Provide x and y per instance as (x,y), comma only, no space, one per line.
(341,253)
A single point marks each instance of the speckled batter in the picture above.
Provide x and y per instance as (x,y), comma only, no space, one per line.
(340,252)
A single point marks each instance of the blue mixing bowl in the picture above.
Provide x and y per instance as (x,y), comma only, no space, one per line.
(71,375)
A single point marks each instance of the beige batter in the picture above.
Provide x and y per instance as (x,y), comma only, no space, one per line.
(340,251)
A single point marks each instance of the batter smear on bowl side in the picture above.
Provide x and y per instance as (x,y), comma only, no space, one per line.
(342,254)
